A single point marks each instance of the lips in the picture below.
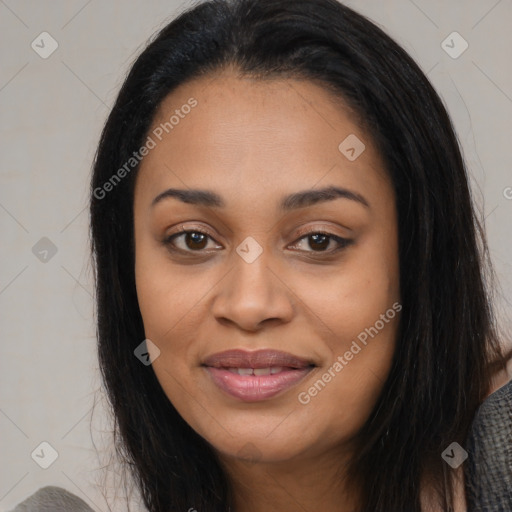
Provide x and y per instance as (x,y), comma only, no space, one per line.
(258,359)
(255,376)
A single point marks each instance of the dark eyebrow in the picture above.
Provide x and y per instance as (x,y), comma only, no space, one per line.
(198,197)
(314,196)
(291,202)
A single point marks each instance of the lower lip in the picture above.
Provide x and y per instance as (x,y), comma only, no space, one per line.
(254,388)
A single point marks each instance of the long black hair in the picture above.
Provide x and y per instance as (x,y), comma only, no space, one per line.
(447,341)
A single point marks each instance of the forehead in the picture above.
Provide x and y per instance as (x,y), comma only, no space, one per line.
(252,134)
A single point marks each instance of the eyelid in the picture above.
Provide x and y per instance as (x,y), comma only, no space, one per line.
(184,229)
(318,229)
(299,234)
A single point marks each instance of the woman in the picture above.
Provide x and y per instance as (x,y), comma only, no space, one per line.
(292,313)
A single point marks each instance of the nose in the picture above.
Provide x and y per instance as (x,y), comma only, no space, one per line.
(253,295)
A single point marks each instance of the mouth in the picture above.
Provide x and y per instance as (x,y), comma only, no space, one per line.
(256,376)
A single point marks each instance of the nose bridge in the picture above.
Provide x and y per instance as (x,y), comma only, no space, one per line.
(251,292)
(251,270)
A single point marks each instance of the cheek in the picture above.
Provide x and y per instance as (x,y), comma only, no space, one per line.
(352,299)
(166,294)
(363,328)
(170,305)
(166,302)
(173,306)
(359,309)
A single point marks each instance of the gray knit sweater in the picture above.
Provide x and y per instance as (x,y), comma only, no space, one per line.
(488,468)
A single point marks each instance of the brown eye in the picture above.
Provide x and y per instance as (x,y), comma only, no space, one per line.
(192,240)
(319,242)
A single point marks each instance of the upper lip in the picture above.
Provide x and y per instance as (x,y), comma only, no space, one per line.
(238,358)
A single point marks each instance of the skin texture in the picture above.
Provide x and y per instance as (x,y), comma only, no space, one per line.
(253,142)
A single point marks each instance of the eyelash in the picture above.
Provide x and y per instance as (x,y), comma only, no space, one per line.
(342,242)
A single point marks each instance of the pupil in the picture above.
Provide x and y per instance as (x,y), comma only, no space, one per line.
(196,238)
(323,245)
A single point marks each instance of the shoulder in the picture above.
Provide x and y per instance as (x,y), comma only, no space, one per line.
(52,499)
(488,470)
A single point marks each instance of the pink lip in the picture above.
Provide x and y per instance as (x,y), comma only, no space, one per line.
(253,388)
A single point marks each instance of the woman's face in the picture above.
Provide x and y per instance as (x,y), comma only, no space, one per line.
(302,284)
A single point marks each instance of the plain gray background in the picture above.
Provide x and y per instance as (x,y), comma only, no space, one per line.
(52,111)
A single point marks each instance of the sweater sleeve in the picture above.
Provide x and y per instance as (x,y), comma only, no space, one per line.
(52,499)
(488,471)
